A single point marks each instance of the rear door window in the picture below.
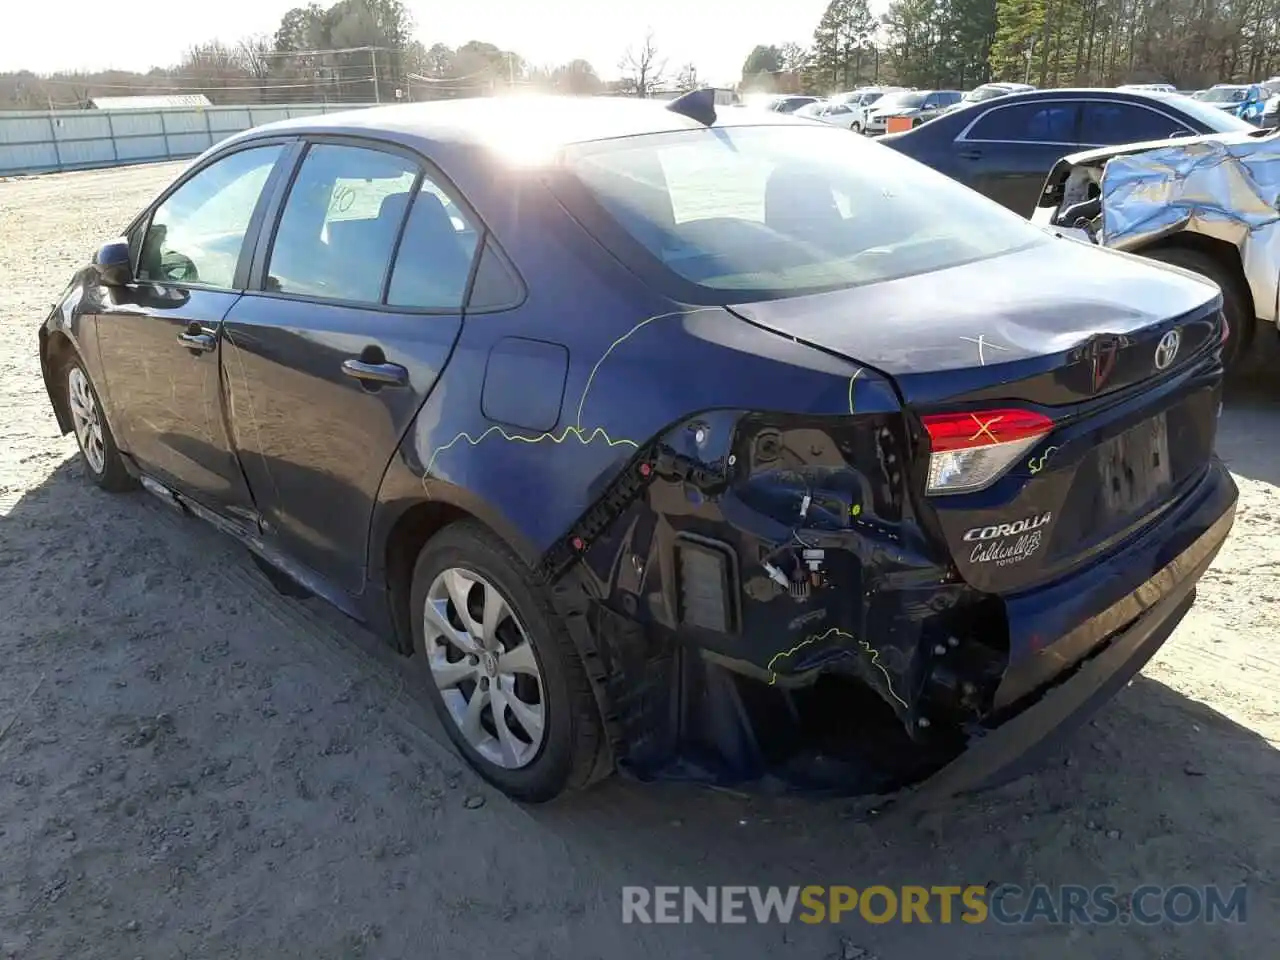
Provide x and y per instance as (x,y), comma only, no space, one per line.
(340,223)
(1034,122)
(1107,123)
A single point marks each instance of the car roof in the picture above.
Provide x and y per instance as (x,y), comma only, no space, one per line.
(505,123)
(1159,96)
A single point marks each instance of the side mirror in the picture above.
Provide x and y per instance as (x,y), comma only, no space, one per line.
(112,263)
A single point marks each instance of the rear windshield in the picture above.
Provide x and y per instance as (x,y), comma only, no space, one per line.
(1216,120)
(768,211)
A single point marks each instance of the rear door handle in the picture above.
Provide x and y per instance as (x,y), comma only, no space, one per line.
(390,374)
(971,154)
(204,342)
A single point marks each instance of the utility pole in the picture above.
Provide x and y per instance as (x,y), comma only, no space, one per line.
(373,62)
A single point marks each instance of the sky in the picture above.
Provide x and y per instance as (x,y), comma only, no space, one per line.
(715,35)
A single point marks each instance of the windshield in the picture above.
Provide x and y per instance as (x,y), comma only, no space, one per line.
(1224,95)
(870,98)
(814,109)
(909,98)
(1215,118)
(754,212)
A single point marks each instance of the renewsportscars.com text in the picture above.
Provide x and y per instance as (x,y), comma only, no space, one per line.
(973,904)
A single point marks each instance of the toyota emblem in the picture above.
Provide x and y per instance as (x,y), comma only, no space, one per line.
(1167,349)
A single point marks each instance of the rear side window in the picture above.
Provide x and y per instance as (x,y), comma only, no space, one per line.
(340,223)
(1035,122)
(754,212)
(1111,123)
(433,263)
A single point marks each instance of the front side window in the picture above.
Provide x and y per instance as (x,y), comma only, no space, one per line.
(195,236)
(1035,122)
(754,212)
(340,223)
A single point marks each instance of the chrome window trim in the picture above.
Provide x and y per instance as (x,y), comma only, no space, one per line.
(1081,102)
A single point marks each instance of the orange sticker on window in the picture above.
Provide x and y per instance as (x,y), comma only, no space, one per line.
(897,124)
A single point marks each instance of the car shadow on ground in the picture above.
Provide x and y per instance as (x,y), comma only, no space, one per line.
(1157,789)
(1249,430)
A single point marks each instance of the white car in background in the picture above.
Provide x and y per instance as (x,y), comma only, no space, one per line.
(849,110)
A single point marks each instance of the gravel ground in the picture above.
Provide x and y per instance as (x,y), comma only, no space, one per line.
(194,766)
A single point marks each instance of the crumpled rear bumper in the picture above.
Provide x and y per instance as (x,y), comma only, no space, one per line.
(1016,746)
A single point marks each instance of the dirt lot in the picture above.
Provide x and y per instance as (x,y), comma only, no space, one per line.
(194,766)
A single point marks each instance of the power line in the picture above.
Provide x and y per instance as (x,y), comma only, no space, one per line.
(158,87)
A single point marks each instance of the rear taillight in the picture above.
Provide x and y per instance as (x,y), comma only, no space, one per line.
(970,451)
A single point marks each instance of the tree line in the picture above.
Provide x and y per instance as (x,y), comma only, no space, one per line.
(350,51)
(1050,43)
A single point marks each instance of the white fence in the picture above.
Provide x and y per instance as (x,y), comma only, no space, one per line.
(43,141)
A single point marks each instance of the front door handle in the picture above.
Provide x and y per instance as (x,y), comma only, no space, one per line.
(971,154)
(388,374)
(196,339)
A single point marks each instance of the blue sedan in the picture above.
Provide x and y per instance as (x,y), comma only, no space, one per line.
(691,442)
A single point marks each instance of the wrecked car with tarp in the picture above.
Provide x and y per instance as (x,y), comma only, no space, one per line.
(690,442)
(1207,204)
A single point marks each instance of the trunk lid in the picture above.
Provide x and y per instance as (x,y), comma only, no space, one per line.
(1082,335)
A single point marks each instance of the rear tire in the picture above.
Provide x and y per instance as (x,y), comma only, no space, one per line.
(508,662)
(1242,325)
(856,127)
(98,450)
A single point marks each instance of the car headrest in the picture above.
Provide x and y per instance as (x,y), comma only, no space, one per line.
(796,201)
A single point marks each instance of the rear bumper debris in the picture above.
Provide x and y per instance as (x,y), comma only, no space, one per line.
(1016,746)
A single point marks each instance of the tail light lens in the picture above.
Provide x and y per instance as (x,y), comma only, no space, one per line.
(970,451)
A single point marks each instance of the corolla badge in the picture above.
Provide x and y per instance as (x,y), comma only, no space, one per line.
(1167,349)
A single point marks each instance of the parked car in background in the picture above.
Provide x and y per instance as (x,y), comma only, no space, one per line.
(850,109)
(1201,203)
(811,111)
(790,103)
(718,530)
(1149,87)
(1244,100)
(917,106)
(1270,118)
(989,91)
(1004,149)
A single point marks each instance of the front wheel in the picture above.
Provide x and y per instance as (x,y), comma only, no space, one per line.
(93,434)
(501,669)
(857,127)
(1237,304)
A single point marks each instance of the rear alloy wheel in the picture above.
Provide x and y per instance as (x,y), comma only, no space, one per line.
(93,434)
(501,670)
(1236,302)
(485,669)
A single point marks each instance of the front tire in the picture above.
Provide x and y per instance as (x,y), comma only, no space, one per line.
(102,460)
(1236,302)
(500,668)
(856,127)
